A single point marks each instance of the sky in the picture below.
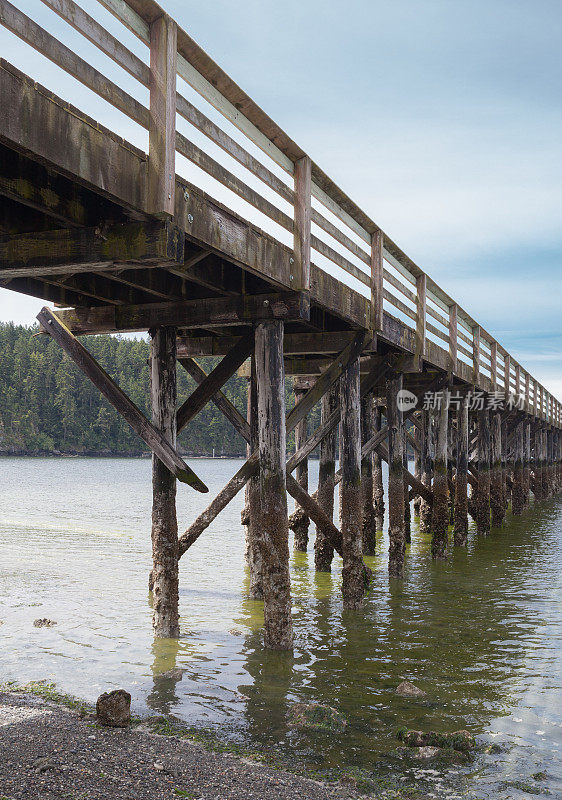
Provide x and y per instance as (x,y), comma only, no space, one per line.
(442,119)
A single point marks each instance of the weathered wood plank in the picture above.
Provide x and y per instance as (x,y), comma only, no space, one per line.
(453,338)
(202,313)
(293,343)
(420,316)
(301,229)
(376,319)
(90,249)
(92,155)
(128,410)
(162,128)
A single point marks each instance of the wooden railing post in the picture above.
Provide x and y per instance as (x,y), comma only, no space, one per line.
(517,382)
(300,276)
(376,281)
(476,354)
(421,285)
(494,365)
(507,373)
(453,333)
(162,130)
(527,393)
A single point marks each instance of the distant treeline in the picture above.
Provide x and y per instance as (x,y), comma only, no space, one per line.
(47,405)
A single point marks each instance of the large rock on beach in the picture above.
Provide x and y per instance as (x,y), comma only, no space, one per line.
(114,708)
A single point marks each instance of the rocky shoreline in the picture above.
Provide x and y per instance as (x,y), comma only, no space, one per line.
(50,752)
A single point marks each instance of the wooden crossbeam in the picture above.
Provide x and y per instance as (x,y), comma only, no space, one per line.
(294,344)
(202,313)
(299,412)
(119,400)
(215,380)
(219,399)
(90,249)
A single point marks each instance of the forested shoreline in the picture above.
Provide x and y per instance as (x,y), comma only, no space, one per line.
(48,407)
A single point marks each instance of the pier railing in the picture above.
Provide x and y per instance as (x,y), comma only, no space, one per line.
(226,143)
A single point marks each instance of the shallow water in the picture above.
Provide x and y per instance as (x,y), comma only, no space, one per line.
(481,634)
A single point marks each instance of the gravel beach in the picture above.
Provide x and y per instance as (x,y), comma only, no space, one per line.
(50,752)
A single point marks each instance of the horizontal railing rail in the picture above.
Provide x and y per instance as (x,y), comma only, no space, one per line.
(197,111)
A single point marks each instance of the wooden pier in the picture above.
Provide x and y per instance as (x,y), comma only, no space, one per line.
(281,275)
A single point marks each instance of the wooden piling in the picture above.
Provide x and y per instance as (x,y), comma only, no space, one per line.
(254,532)
(378,486)
(427,451)
(417,469)
(353,585)
(544,464)
(270,379)
(395,478)
(518,501)
(537,479)
(440,510)
(526,462)
(164,576)
(368,519)
(506,481)
(497,503)
(481,502)
(407,509)
(323,549)
(298,521)
(461,477)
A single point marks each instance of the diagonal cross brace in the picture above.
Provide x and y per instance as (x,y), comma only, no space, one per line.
(301,409)
(119,400)
(219,399)
(215,380)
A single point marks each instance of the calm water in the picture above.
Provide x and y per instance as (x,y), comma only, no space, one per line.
(481,634)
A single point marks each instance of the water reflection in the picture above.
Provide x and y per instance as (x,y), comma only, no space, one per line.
(480,633)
